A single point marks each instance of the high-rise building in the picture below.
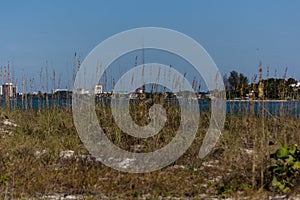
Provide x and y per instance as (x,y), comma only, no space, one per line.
(98,89)
(8,90)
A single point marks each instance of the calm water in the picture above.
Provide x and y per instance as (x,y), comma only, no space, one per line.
(271,108)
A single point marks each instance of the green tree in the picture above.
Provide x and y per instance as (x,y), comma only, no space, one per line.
(237,85)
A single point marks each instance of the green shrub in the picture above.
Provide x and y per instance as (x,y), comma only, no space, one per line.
(285,168)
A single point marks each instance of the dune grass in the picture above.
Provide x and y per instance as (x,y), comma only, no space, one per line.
(32,161)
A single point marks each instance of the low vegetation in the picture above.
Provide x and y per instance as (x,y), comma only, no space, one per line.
(285,168)
(42,155)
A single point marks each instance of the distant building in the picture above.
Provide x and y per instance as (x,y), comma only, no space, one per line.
(82,91)
(8,90)
(61,93)
(140,90)
(98,89)
(54,91)
(296,85)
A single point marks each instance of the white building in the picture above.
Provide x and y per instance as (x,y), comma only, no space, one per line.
(297,85)
(82,91)
(59,90)
(98,89)
(8,90)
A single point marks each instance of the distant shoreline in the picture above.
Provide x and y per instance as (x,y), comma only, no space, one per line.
(267,100)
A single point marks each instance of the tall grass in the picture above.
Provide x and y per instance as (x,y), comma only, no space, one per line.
(31,163)
(26,173)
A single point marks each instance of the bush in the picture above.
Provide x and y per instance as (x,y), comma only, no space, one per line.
(285,168)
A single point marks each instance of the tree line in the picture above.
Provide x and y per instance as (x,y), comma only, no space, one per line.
(238,86)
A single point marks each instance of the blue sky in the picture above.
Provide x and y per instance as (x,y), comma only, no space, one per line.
(32,32)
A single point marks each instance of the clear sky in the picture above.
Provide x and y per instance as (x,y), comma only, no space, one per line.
(237,34)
